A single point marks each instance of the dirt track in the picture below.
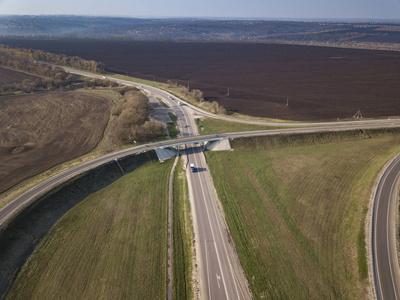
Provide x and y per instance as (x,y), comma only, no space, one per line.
(321,83)
(42,130)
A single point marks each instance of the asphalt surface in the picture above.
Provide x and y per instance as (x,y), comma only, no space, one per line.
(218,276)
(385,261)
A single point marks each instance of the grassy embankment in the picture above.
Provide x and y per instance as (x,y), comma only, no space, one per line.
(296,208)
(182,237)
(162,102)
(172,127)
(210,126)
(108,246)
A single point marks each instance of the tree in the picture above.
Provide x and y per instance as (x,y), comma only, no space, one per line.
(197,95)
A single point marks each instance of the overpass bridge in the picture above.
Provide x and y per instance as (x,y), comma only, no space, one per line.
(211,144)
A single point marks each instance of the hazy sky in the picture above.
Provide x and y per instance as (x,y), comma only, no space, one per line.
(277,9)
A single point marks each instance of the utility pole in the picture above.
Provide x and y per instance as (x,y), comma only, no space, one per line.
(188,85)
(358,115)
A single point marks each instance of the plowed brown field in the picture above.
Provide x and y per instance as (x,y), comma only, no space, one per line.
(39,131)
(321,83)
(9,76)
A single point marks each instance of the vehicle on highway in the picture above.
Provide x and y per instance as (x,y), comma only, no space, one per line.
(192,168)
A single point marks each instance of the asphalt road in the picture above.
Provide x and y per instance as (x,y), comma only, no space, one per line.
(218,276)
(63,177)
(385,262)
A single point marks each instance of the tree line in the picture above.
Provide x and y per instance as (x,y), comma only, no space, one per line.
(59,59)
(50,77)
(198,96)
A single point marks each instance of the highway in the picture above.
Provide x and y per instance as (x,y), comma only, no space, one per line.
(220,277)
(384,250)
(58,179)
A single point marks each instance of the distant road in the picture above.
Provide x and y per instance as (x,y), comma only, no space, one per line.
(385,261)
(225,118)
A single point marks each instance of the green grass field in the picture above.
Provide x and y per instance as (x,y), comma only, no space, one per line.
(172,128)
(109,246)
(210,126)
(162,102)
(296,208)
(182,237)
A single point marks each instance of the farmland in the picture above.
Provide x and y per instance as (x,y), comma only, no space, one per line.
(109,245)
(296,206)
(321,83)
(39,131)
(9,76)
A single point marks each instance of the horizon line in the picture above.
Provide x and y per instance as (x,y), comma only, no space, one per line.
(276,19)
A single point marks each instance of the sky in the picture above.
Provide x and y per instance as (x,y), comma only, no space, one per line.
(247,9)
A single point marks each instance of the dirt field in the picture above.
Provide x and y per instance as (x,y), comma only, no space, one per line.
(39,131)
(10,76)
(321,83)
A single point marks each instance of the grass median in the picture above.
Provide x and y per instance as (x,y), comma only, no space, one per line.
(210,126)
(296,207)
(182,237)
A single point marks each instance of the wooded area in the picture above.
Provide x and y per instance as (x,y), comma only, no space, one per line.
(60,59)
(132,120)
(36,62)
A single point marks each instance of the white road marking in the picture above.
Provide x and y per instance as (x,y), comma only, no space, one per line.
(388,235)
(212,231)
(208,275)
(223,243)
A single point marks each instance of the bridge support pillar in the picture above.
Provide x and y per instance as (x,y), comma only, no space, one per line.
(164,154)
(221,145)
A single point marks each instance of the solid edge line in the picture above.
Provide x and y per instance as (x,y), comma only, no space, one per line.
(374,210)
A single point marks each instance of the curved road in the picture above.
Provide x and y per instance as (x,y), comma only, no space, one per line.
(384,251)
(200,111)
(215,272)
(47,185)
